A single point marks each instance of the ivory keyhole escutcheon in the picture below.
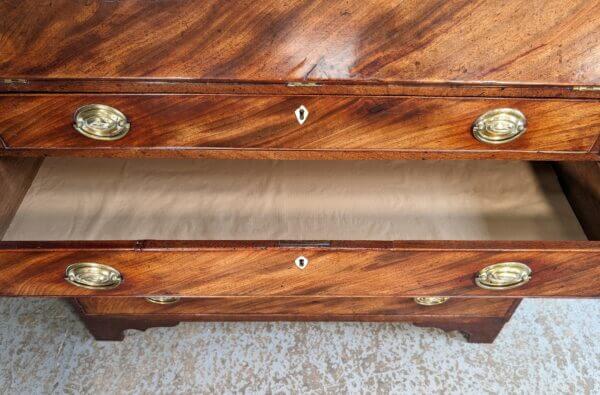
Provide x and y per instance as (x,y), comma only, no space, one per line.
(301,114)
(301,262)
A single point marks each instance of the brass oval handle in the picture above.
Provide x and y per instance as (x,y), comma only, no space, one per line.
(499,126)
(163,299)
(91,275)
(101,122)
(431,300)
(502,276)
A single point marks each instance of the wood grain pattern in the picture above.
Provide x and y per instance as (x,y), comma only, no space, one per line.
(351,268)
(173,125)
(325,306)
(112,328)
(478,329)
(515,41)
(281,88)
(581,185)
(16,175)
(287,154)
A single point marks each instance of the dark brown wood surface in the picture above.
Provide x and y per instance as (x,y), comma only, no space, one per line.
(352,268)
(483,328)
(367,127)
(298,305)
(514,41)
(16,175)
(10,85)
(113,327)
(581,183)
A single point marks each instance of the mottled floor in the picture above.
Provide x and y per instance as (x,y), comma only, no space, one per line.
(550,346)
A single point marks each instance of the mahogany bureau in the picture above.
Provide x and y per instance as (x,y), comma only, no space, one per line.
(304,80)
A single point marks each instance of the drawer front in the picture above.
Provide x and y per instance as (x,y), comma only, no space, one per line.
(230,268)
(308,306)
(248,126)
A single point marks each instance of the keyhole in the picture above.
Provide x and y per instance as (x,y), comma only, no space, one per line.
(301,262)
(301,114)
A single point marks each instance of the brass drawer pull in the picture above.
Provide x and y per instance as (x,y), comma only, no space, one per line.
(499,126)
(93,276)
(163,299)
(431,300)
(101,122)
(501,276)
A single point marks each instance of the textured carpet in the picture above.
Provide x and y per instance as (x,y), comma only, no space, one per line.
(550,346)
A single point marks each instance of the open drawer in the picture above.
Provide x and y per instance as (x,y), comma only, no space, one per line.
(100,227)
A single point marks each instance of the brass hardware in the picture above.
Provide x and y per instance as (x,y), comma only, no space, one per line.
(431,300)
(304,243)
(301,262)
(17,81)
(93,276)
(301,114)
(163,299)
(302,84)
(586,88)
(101,122)
(499,126)
(505,275)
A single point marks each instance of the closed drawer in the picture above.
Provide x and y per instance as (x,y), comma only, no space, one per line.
(399,269)
(300,127)
(387,230)
(297,306)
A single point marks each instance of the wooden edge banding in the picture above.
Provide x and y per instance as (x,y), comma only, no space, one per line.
(596,146)
(245,87)
(209,245)
(292,154)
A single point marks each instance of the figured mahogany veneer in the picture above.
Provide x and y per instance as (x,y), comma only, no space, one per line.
(517,41)
(337,126)
(391,80)
(351,268)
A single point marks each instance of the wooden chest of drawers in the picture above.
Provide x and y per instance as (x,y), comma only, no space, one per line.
(302,80)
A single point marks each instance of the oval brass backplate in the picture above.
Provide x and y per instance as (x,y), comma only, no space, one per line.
(499,126)
(91,275)
(101,122)
(502,276)
(431,300)
(163,299)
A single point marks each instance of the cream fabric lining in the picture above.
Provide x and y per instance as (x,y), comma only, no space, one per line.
(112,199)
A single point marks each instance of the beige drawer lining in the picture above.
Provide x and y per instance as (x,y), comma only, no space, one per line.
(113,199)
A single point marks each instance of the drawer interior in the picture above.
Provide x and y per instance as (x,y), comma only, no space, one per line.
(169,199)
